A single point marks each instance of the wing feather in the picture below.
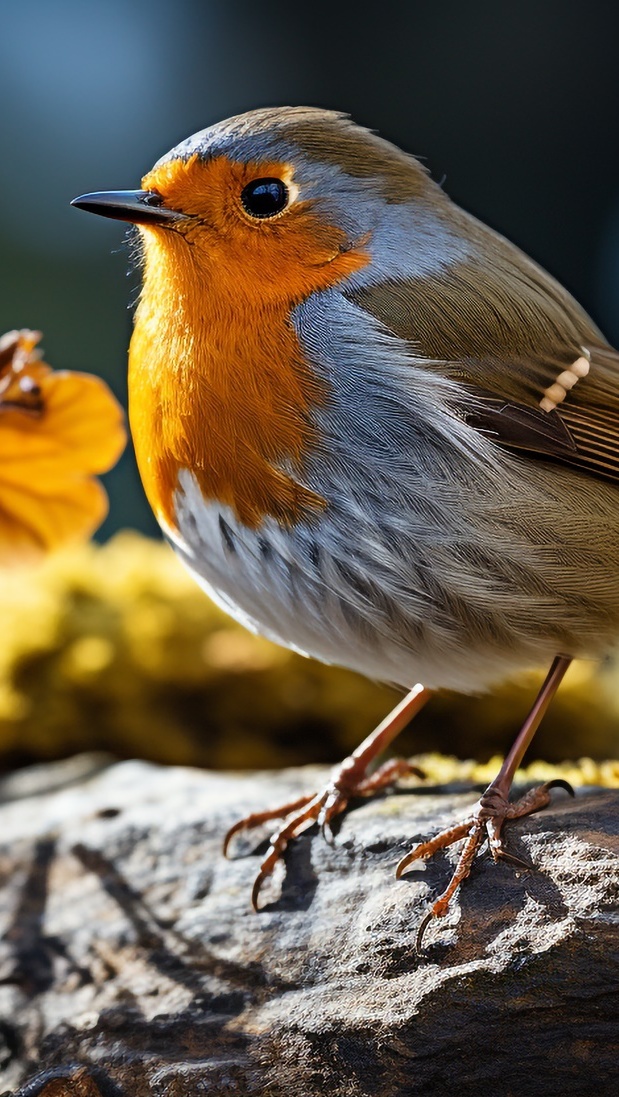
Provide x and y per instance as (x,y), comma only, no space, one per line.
(506,330)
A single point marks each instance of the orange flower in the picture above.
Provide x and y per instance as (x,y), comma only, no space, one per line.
(57,429)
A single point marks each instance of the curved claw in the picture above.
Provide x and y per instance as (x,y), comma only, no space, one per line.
(408,858)
(309,812)
(558,782)
(439,910)
(334,804)
(423,925)
(241,824)
(256,889)
(279,844)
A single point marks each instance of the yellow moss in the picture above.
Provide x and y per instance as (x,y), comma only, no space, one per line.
(444,769)
(86,658)
(116,648)
(14,706)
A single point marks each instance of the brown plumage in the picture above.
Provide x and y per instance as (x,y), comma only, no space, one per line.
(506,330)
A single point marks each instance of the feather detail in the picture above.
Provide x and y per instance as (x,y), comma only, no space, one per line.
(541,377)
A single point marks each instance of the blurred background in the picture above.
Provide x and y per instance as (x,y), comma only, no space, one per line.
(515,106)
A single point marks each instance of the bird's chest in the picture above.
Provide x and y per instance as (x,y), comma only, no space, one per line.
(227,401)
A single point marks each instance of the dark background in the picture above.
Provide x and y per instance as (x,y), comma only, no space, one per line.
(516,104)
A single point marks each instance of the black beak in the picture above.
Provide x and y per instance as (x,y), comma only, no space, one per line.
(141,207)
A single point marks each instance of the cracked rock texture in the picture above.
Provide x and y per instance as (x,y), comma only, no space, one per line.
(132,964)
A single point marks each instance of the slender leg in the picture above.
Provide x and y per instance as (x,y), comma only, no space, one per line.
(493,808)
(348,780)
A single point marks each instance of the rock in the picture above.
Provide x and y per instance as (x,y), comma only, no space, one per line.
(132,963)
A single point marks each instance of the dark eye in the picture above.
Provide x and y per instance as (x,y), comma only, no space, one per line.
(264,197)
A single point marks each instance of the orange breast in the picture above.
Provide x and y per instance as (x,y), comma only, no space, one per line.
(217,379)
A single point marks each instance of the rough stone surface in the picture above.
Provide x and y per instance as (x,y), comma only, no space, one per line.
(132,963)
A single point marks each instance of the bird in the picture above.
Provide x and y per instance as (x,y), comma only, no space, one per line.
(374,431)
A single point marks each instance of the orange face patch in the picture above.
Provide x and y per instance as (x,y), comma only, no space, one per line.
(217,380)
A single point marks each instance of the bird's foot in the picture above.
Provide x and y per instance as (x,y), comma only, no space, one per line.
(484,824)
(349,781)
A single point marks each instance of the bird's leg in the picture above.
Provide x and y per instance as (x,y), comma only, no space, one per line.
(494,808)
(348,780)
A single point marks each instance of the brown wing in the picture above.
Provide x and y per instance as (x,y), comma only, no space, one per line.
(507,331)
(582,431)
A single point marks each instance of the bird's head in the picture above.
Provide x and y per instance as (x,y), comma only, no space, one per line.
(241,224)
(282,202)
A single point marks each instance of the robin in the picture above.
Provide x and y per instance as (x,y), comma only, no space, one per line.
(374,431)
